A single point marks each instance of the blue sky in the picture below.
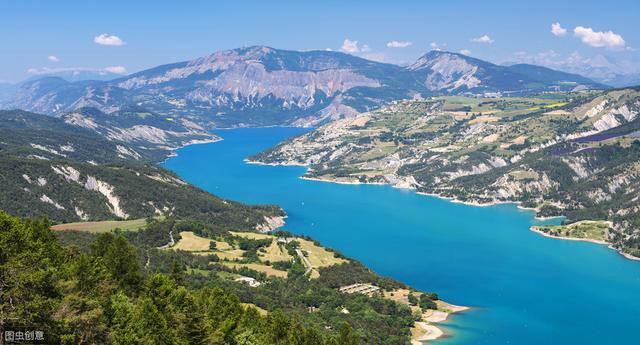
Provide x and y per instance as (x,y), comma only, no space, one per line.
(38,35)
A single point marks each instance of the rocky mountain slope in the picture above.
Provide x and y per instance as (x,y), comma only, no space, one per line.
(573,154)
(92,136)
(69,173)
(451,73)
(259,86)
(144,130)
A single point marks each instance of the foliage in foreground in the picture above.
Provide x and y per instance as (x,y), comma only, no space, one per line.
(102,296)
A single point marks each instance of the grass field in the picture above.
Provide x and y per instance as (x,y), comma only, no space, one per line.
(275,253)
(268,270)
(104,226)
(318,256)
(230,254)
(191,242)
(586,229)
(251,235)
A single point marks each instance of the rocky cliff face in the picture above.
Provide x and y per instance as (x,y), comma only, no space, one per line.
(264,86)
(578,155)
(139,129)
(96,166)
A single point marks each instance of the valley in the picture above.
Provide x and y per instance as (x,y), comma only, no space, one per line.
(100,164)
(102,189)
(482,257)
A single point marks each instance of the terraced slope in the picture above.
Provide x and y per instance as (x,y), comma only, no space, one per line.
(574,154)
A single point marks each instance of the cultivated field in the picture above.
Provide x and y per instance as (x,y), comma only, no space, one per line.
(103,226)
(191,242)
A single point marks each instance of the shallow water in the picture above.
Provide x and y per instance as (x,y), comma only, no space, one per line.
(525,288)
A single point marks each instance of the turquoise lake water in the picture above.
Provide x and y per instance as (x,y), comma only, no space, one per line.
(525,288)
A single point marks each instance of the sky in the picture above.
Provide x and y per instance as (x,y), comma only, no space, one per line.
(129,36)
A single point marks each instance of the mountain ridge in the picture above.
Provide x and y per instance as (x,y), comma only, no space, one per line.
(262,86)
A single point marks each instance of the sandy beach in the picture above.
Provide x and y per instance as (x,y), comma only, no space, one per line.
(430,333)
(426,330)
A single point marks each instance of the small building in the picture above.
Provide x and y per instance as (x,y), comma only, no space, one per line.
(365,289)
(284,240)
(249,281)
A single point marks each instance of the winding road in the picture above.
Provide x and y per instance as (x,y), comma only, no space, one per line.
(305,260)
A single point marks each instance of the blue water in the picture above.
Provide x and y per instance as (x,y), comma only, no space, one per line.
(525,288)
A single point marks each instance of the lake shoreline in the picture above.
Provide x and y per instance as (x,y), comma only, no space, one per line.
(589,240)
(394,223)
(453,200)
(172,150)
(426,329)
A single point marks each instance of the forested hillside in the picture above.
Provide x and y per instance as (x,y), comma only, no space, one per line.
(70,173)
(104,295)
(565,154)
(181,277)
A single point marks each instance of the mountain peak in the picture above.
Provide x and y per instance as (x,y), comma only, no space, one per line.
(235,84)
(433,57)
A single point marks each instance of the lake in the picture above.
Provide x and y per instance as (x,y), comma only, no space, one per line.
(524,288)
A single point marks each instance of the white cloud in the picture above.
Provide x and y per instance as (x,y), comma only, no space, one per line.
(598,66)
(399,44)
(465,52)
(53,58)
(116,69)
(434,45)
(598,39)
(379,57)
(558,30)
(108,40)
(364,51)
(75,70)
(350,46)
(483,39)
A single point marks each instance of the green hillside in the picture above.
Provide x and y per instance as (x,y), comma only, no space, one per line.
(571,154)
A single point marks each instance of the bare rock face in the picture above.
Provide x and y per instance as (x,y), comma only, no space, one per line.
(588,168)
(448,72)
(270,223)
(261,86)
(223,87)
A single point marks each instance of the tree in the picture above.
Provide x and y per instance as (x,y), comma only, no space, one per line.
(278,326)
(29,259)
(427,303)
(413,300)
(120,258)
(177,272)
(346,336)
(432,296)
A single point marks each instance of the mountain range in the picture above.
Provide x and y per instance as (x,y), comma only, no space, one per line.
(603,68)
(261,86)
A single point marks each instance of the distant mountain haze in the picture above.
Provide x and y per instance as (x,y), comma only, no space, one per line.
(261,86)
